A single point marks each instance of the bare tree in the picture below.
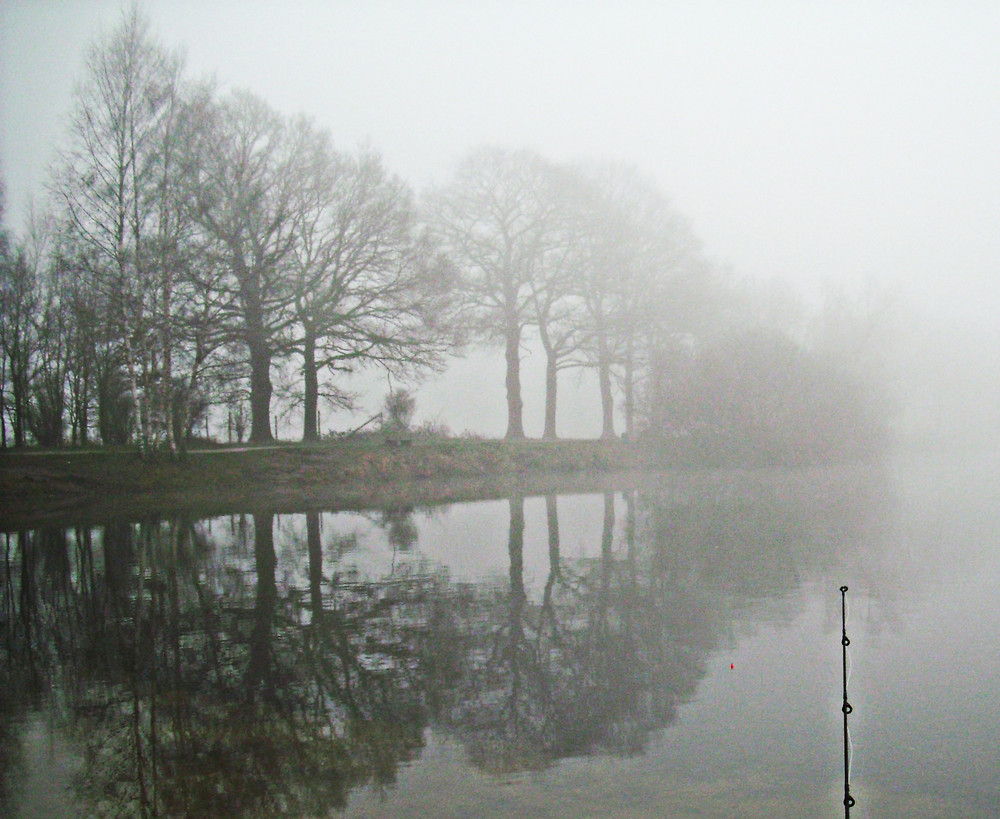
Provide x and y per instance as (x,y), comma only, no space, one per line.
(34,336)
(18,306)
(6,259)
(558,313)
(607,258)
(191,306)
(496,218)
(644,283)
(368,289)
(112,182)
(252,166)
(50,363)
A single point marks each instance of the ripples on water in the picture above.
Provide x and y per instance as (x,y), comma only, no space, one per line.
(652,652)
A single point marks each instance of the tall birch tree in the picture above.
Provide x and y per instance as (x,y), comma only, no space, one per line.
(111,182)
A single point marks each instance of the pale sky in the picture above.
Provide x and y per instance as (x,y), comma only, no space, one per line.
(836,141)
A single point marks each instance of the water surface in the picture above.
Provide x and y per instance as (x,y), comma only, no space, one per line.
(665,651)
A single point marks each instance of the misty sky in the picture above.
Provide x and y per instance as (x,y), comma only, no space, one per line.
(844,142)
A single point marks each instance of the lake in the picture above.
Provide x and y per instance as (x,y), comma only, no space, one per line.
(671,649)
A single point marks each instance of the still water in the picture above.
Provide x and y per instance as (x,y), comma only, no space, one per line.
(671,649)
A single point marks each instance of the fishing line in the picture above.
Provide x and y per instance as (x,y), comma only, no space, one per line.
(847,680)
(847,651)
(846,707)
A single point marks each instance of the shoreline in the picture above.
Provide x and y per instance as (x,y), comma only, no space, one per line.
(92,487)
(55,486)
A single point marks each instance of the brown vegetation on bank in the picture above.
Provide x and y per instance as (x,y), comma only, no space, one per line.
(38,487)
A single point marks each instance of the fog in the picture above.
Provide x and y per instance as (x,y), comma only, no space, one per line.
(847,143)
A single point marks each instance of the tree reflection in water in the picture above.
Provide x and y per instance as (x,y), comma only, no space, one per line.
(191,694)
(591,668)
(197,679)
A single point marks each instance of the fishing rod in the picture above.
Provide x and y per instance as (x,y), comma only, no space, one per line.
(846,707)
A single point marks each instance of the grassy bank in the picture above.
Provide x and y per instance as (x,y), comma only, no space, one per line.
(50,486)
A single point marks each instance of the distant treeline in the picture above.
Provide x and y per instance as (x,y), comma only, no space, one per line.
(194,243)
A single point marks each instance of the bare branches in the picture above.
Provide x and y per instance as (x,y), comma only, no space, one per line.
(368,289)
(117,183)
(498,219)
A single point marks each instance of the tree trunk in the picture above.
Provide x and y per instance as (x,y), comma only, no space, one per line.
(630,392)
(310,431)
(83,411)
(167,390)
(551,387)
(20,417)
(139,405)
(551,380)
(515,407)
(607,399)
(114,409)
(20,385)
(260,355)
(260,388)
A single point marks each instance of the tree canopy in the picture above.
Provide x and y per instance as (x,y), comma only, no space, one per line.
(200,248)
